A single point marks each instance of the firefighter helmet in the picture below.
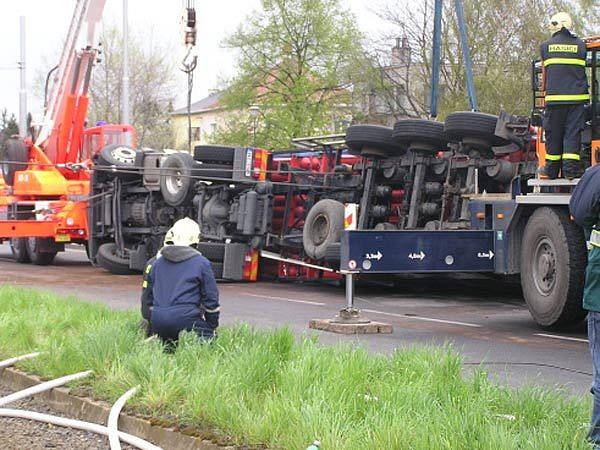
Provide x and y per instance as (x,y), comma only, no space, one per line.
(183,232)
(559,21)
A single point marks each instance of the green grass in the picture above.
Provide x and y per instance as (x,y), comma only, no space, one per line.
(253,387)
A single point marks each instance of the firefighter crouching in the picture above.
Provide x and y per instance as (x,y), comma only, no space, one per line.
(567,91)
(585,210)
(179,290)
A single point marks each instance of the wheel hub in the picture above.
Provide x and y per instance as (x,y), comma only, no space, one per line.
(320,229)
(544,267)
(124,155)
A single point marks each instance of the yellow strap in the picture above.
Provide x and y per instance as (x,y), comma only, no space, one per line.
(571,156)
(566,61)
(553,157)
(145,284)
(567,97)
(148,268)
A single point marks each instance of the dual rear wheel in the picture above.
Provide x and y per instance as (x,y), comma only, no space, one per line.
(32,250)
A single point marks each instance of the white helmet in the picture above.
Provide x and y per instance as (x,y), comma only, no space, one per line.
(183,232)
(559,21)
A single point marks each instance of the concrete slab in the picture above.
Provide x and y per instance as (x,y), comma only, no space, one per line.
(350,328)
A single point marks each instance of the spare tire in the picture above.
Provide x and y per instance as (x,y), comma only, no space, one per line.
(120,156)
(333,253)
(473,125)
(214,154)
(208,170)
(14,156)
(372,140)
(420,134)
(323,227)
(176,182)
(108,259)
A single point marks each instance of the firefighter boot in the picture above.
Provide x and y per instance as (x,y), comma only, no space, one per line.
(550,170)
(571,169)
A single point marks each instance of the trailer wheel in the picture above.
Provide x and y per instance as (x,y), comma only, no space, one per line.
(213,251)
(15,155)
(420,134)
(466,125)
(36,256)
(119,155)
(108,259)
(18,247)
(372,141)
(176,184)
(323,227)
(553,259)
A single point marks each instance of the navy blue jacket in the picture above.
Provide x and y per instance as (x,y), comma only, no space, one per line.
(180,292)
(585,199)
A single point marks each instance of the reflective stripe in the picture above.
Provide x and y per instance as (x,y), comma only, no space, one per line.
(148,268)
(213,310)
(571,156)
(567,97)
(595,238)
(553,157)
(566,61)
(145,284)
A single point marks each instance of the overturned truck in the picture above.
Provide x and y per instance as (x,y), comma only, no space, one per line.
(430,197)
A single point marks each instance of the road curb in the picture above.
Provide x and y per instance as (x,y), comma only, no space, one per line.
(90,410)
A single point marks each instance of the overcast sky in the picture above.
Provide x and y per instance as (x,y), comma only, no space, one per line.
(47,22)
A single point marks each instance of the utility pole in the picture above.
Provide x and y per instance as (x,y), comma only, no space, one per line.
(23,87)
(125,119)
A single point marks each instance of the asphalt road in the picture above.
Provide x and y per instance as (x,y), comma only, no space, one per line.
(485,319)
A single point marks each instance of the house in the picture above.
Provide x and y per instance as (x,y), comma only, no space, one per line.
(207,116)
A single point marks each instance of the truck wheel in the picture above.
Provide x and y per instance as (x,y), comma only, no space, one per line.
(108,259)
(420,134)
(36,256)
(553,259)
(206,170)
(16,156)
(214,154)
(333,253)
(119,155)
(213,251)
(176,184)
(323,227)
(473,125)
(18,247)
(372,141)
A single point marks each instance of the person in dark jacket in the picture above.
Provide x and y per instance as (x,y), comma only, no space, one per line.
(567,91)
(179,290)
(585,210)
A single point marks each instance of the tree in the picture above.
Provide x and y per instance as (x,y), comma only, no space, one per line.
(504,38)
(294,61)
(151,86)
(8,126)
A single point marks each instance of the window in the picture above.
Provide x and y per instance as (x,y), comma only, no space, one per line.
(213,127)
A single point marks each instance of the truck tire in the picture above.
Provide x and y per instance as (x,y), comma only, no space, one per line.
(473,125)
(15,155)
(107,258)
(553,259)
(213,251)
(209,170)
(217,268)
(18,247)
(323,227)
(333,253)
(119,155)
(372,141)
(35,255)
(420,134)
(176,184)
(214,154)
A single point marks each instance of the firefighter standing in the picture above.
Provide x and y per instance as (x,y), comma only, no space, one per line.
(179,290)
(567,91)
(585,210)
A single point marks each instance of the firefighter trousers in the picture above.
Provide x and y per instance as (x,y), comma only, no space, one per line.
(563,125)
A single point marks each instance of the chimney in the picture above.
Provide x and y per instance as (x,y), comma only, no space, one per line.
(401,52)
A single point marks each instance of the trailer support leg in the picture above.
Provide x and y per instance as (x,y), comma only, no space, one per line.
(350,320)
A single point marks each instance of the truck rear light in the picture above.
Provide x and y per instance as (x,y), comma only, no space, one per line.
(260,162)
(251,266)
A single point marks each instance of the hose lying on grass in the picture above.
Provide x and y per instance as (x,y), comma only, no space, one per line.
(77,424)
